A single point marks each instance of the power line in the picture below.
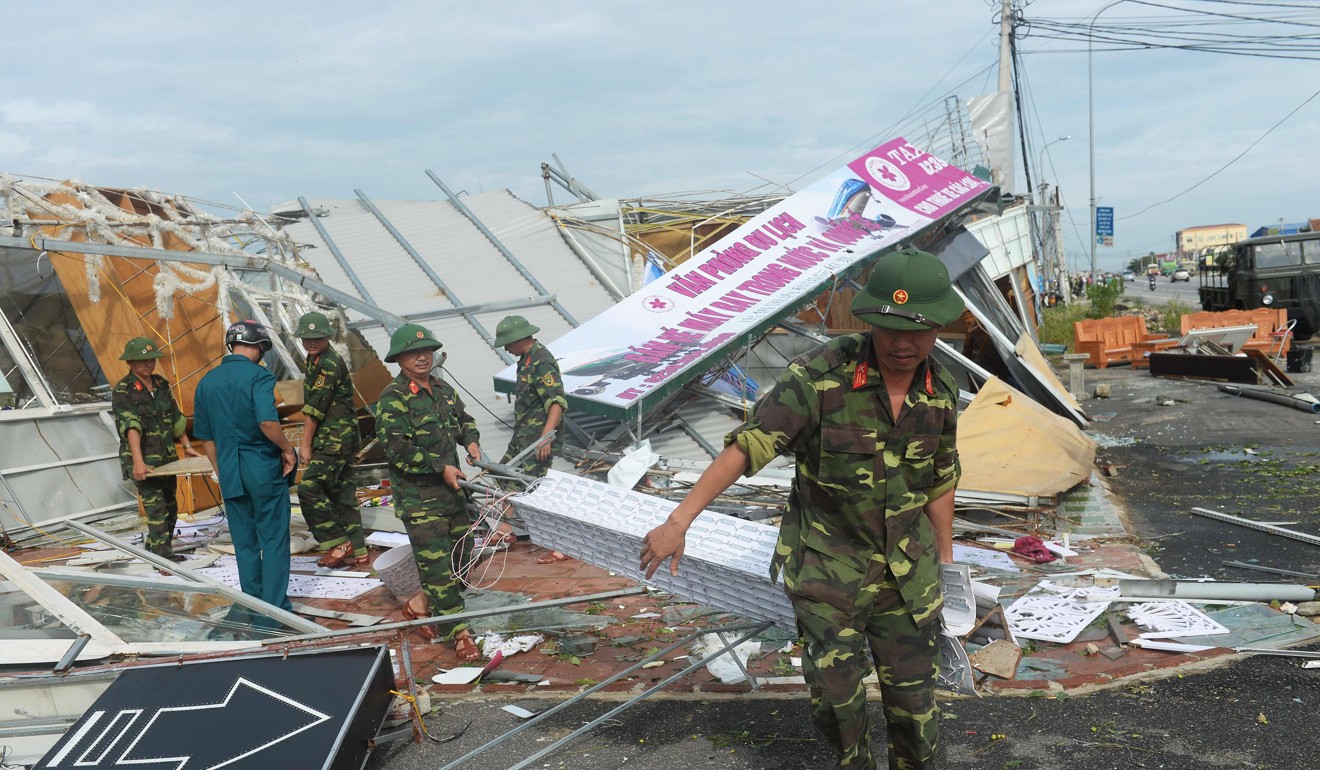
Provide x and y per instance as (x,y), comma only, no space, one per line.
(1235,159)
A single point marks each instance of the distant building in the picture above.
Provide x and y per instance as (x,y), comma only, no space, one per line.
(1282,228)
(1193,241)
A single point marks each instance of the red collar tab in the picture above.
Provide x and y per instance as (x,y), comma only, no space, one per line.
(412,387)
(930,386)
(859,375)
(138,384)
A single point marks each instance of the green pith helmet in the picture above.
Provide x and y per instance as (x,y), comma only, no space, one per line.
(140,349)
(411,337)
(314,326)
(512,329)
(909,290)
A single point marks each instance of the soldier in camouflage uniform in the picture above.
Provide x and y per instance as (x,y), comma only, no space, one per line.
(538,406)
(149,421)
(420,420)
(871,421)
(327,495)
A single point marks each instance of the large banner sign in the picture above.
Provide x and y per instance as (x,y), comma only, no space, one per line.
(667,333)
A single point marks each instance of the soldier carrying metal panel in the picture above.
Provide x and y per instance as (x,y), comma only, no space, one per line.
(149,422)
(871,421)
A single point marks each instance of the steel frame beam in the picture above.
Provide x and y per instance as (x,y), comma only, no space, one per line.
(504,250)
(435,277)
(254,262)
(485,307)
(334,250)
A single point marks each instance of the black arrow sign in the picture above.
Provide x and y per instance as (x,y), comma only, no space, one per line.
(185,736)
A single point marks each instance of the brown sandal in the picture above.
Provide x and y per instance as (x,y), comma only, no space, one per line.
(336,556)
(428,632)
(465,647)
(554,557)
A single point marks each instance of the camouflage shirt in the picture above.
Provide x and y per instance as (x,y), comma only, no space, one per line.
(539,387)
(420,433)
(153,414)
(328,398)
(863,478)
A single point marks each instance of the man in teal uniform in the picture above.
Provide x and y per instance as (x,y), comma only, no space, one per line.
(149,421)
(872,422)
(236,418)
(327,494)
(538,407)
(420,421)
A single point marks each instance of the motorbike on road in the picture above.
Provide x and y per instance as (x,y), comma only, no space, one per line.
(1152,282)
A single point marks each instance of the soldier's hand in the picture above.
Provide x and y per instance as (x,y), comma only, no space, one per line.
(189,451)
(543,451)
(474,454)
(140,471)
(666,541)
(452,474)
(305,453)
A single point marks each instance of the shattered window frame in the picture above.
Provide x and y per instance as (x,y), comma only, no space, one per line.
(36,585)
(43,319)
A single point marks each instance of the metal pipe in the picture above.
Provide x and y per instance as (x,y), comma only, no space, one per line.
(1283,399)
(1211,590)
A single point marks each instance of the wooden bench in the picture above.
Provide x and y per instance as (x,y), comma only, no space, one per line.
(1121,338)
(1273,335)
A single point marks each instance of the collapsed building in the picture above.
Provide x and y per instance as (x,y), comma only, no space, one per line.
(86,268)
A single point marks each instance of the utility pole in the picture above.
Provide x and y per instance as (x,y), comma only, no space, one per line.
(1006,70)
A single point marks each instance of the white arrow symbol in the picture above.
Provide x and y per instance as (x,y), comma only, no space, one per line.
(317,718)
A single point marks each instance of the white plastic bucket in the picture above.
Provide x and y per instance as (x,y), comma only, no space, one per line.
(398,570)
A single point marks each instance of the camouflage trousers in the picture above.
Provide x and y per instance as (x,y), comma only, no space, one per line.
(835,659)
(161,503)
(328,498)
(437,545)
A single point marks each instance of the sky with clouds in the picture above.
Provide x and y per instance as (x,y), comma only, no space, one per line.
(277,100)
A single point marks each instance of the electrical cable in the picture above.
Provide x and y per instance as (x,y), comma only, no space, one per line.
(1235,159)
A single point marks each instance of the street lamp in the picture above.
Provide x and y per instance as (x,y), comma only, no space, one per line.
(1041,164)
(1090,99)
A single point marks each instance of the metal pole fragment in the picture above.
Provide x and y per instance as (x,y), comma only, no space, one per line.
(252,602)
(459,616)
(1270,528)
(754,630)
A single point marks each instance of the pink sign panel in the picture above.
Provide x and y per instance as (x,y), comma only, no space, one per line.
(915,179)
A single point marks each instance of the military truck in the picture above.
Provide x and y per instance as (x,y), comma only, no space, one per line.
(1279,271)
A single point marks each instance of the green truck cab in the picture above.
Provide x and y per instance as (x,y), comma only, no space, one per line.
(1279,271)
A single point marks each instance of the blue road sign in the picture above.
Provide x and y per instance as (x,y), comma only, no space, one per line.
(1104,221)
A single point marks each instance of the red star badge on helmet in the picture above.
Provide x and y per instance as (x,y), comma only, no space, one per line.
(901,297)
(420,335)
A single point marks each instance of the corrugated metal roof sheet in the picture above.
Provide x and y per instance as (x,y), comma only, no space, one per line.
(473,269)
